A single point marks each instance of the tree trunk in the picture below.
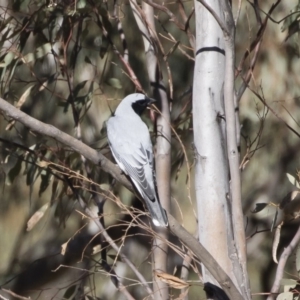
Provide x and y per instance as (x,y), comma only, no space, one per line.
(212,170)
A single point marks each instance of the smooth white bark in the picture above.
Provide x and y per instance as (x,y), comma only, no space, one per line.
(212,172)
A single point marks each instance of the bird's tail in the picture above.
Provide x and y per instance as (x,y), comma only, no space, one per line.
(158,214)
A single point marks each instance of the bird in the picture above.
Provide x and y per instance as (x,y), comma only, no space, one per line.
(130,144)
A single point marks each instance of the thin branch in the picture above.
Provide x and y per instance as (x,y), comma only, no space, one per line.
(246,79)
(121,31)
(123,58)
(123,257)
(254,45)
(173,40)
(292,117)
(168,12)
(274,112)
(217,18)
(185,269)
(273,20)
(282,262)
(44,129)
(186,20)
(14,294)
(250,150)
(238,12)
(233,156)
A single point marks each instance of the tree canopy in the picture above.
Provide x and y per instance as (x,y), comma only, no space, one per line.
(71,224)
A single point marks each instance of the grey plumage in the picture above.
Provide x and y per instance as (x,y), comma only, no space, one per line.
(131,146)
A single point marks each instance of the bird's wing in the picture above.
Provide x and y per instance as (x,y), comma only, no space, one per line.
(138,164)
(134,156)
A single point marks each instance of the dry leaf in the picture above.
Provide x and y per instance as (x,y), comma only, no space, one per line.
(171,280)
(291,205)
(293,180)
(37,216)
(288,199)
(43,164)
(96,249)
(64,248)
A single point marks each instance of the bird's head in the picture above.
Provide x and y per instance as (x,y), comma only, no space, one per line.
(138,102)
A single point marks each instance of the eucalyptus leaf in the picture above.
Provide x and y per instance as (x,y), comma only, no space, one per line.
(274,220)
(114,82)
(293,180)
(288,284)
(37,216)
(70,292)
(14,172)
(39,53)
(45,180)
(81,4)
(7,59)
(259,207)
(293,16)
(285,296)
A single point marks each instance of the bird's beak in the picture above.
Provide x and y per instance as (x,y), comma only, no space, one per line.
(151,101)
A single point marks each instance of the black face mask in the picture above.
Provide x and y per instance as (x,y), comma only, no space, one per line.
(140,105)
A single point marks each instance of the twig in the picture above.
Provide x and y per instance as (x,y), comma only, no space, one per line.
(274,112)
(282,262)
(173,40)
(185,269)
(123,58)
(168,12)
(255,45)
(256,141)
(238,12)
(186,20)
(121,31)
(14,294)
(222,25)
(44,129)
(116,248)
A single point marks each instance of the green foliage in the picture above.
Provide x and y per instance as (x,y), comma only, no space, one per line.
(14,171)
(70,292)
(259,207)
(291,290)
(115,83)
(292,25)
